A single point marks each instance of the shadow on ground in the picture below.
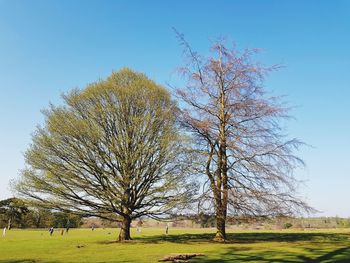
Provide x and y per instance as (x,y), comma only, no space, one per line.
(340,255)
(313,247)
(247,238)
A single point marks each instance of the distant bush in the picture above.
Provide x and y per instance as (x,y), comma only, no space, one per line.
(288,225)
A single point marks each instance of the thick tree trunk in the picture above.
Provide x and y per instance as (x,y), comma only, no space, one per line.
(220,235)
(125,229)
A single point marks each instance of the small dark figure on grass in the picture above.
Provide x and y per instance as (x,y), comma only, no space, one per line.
(51,231)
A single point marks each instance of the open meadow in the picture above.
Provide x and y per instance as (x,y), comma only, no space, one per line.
(174,131)
(85,245)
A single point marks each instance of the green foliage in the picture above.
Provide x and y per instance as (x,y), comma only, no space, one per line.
(16,212)
(12,211)
(40,218)
(288,225)
(64,220)
(112,150)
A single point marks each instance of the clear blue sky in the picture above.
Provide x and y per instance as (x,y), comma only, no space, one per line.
(49,47)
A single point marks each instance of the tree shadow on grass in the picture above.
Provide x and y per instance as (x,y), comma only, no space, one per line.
(317,247)
(246,238)
(339,255)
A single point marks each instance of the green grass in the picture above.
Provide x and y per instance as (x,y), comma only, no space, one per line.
(84,245)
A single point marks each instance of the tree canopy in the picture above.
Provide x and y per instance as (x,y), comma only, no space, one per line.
(237,127)
(12,211)
(113,150)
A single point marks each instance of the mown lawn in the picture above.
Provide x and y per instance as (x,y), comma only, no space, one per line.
(84,245)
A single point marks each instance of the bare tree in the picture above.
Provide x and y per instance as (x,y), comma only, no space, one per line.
(247,159)
(112,151)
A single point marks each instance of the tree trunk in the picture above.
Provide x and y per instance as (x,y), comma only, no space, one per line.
(220,235)
(222,186)
(125,229)
(9,224)
(220,216)
(38,221)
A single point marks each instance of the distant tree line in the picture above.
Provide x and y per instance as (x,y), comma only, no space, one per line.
(14,213)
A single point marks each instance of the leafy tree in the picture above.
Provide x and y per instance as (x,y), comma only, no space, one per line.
(112,149)
(13,210)
(62,219)
(246,158)
(38,218)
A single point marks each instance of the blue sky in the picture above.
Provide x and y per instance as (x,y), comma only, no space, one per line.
(49,47)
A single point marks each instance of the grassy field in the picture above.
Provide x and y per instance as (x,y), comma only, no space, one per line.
(84,245)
